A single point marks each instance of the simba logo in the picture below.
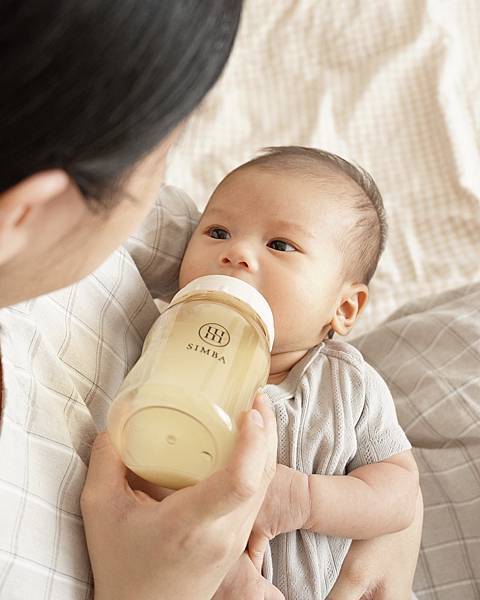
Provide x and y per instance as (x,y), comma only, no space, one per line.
(208,351)
(214,335)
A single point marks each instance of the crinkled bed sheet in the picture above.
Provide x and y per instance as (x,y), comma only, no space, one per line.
(393,85)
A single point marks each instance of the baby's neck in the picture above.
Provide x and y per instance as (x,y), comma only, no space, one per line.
(281,364)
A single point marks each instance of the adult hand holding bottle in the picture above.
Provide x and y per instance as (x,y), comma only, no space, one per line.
(183,546)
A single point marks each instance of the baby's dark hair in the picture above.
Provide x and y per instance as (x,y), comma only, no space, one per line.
(366,238)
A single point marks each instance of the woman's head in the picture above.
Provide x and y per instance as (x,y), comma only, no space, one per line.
(94,89)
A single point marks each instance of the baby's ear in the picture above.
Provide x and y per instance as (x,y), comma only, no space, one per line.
(352,302)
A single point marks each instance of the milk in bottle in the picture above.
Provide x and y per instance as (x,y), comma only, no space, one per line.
(176,417)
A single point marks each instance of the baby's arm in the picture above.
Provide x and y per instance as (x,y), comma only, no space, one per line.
(371,500)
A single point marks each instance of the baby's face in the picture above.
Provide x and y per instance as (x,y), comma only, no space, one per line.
(282,234)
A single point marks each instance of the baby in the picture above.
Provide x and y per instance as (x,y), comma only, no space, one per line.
(306,228)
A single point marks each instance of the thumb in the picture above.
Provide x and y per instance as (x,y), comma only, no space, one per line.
(106,472)
(250,470)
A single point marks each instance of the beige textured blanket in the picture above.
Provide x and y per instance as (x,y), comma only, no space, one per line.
(429,355)
(391,84)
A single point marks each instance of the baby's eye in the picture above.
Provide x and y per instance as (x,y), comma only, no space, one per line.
(218,233)
(281,246)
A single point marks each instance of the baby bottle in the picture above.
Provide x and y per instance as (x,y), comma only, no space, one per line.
(176,416)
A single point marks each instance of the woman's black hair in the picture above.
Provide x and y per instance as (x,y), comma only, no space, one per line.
(92,86)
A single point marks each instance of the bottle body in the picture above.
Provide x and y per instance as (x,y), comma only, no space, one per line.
(175,419)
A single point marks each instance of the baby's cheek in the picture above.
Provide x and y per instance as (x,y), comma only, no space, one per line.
(286,315)
(189,267)
(182,276)
(187,274)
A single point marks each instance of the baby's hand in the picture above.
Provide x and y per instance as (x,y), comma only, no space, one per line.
(286,508)
(244,582)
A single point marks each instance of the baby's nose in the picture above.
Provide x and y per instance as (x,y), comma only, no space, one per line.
(239,257)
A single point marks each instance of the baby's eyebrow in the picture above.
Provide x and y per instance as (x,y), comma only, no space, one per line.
(280,223)
(217,211)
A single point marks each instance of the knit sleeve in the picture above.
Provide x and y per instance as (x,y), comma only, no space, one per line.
(377,430)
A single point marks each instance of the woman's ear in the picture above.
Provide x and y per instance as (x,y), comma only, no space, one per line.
(17,202)
(352,303)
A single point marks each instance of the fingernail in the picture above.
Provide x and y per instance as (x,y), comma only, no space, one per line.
(256,417)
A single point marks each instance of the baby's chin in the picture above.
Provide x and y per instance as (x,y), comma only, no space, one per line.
(283,360)
(286,350)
